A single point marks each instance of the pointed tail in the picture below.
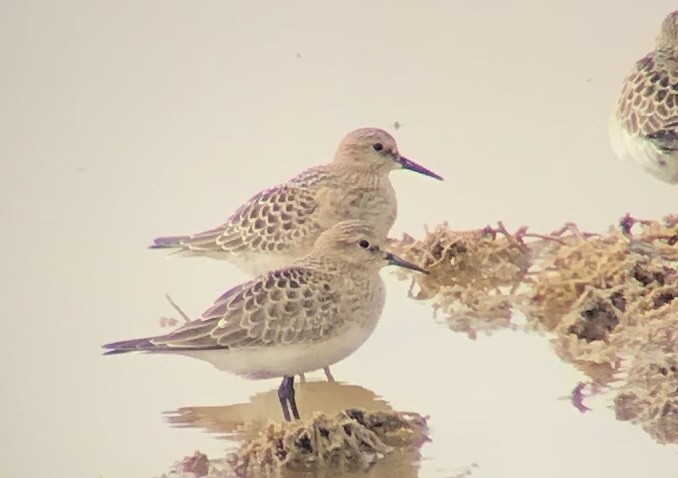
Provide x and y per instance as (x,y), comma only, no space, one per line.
(168,242)
(136,345)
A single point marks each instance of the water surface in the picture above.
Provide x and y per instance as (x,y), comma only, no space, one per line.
(123,121)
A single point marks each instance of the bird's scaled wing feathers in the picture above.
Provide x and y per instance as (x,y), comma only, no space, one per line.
(287,306)
(666,139)
(648,104)
(269,222)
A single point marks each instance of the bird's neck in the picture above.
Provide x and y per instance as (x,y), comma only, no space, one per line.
(666,52)
(360,178)
(332,265)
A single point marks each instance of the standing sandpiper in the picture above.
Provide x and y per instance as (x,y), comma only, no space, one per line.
(281,224)
(644,125)
(308,315)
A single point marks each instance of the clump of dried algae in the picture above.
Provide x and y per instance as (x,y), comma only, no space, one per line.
(473,274)
(606,299)
(351,440)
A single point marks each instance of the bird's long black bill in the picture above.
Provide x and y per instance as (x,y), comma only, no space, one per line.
(397,261)
(417,168)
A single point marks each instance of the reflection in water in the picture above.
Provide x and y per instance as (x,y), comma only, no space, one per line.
(260,417)
(327,397)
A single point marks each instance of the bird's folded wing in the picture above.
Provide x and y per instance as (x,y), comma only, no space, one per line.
(666,138)
(268,222)
(288,306)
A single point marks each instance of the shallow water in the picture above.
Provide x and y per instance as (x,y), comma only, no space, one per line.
(123,121)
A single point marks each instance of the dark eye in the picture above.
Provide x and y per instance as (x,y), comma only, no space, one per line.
(364,244)
(378,146)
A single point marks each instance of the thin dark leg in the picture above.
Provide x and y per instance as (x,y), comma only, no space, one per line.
(283,397)
(292,400)
(286,397)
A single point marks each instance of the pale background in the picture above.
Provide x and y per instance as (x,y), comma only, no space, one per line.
(125,120)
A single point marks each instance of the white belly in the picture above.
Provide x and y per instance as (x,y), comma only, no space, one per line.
(280,360)
(253,264)
(261,263)
(628,146)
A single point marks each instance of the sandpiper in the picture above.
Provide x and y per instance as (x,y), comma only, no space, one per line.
(308,315)
(281,224)
(644,124)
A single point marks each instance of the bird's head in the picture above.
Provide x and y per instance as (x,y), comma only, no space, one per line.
(358,244)
(372,150)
